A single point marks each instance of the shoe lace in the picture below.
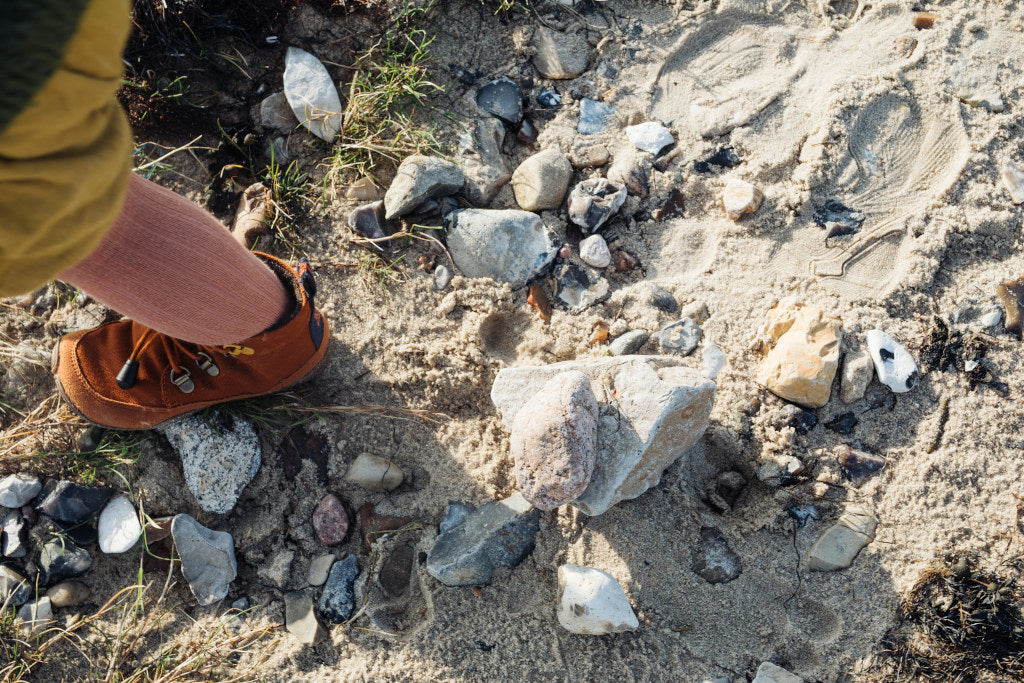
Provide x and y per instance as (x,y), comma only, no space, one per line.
(176,352)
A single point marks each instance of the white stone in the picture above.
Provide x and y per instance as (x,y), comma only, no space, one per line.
(594,252)
(13,531)
(374,473)
(18,489)
(119,526)
(311,94)
(34,616)
(858,369)
(653,410)
(894,365)
(592,602)
(1013,179)
(505,245)
(318,570)
(772,673)
(712,360)
(740,197)
(650,136)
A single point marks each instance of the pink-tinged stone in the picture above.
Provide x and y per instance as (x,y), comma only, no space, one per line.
(554,441)
(330,521)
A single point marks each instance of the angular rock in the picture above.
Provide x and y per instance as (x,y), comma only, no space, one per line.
(276,114)
(838,219)
(368,220)
(498,534)
(1013,180)
(780,470)
(740,197)
(674,206)
(338,601)
(594,252)
(579,286)
(771,673)
(858,369)
(542,180)
(68,594)
(483,164)
(713,560)
(858,465)
(71,503)
(592,202)
(843,423)
(560,55)
(374,473)
(654,411)
(442,278)
(119,526)
(330,520)
(502,98)
(839,545)
(207,558)
(33,617)
(712,360)
(650,136)
(593,116)
(724,157)
(632,168)
(796,417)
(82,534)
(61,559)
(549,98)
(678,338)
(299,618)
(663,300)
(318,570)
(18,489)
(505,245)
(725,490)
(218,460)
(364,190)
(418,179)
(628,343)
(894,365)
(592,602)
(802,353)
(1011,295)
(554,441)
(15,589)
(311,93)
(13,532)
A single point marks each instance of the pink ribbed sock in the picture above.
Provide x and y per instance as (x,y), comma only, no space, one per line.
(173,267)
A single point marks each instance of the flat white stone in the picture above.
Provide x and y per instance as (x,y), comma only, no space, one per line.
(894,365)
(34,616)
(18,489)
(1013,179)
(374,473)
(592,602)
(594,252)
(119,526)
(650,136)
(311,94)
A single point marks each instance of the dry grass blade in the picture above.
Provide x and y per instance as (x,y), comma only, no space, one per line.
(52,424)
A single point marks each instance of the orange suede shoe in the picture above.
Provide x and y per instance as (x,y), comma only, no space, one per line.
(123,375)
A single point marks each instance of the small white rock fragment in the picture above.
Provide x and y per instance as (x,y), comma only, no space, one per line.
(34,616)
(650,136)
(18,489)
(773,673)
(119,526)
(374,473)
(1013,179)
(894,365)
(311,94)
(592,602)
(712,360)
(594,252)
(740,197)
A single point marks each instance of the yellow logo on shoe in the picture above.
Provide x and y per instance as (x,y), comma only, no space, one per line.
(237,350)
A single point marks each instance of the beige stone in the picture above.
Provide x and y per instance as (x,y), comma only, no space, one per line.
(68,594)
(840,544)
(740,197)
(858,369)
(542,180)
(801,346)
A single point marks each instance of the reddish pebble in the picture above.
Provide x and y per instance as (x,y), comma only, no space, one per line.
(565,251)
(330,521)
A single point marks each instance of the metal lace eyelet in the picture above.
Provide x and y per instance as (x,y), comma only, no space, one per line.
(208,365)
(183,381)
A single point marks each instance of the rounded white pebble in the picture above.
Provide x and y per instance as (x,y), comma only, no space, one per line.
(594,252)
(593,602)
(374,473)
(119,526)
(740,197)
(894,365)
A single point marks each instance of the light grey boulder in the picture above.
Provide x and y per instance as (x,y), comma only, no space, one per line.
(218,461)
(560,55)
(311,94)
(652,409)
(18,489)
(505,245)
(207,558)
(541,181)
(420,178)
(483,164)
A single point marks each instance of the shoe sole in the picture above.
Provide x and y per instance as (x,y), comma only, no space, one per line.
(55,362)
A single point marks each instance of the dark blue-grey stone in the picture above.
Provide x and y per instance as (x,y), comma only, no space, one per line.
(593,116)
(71,503)
(628,343)
(61,559)
(456,515)
(367,220)
(679,338)
(796,417)
(338,601)
(803,514)
(843,424)
(724,157)
(838,219)
(82,534)
(15,589)
(663,300)
(498,534)
(502,98)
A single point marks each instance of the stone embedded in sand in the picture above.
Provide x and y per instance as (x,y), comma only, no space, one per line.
(330,520)
(838,219)
(483,164)
(418,179)
(311,94)
(276,114)
(299,618)
(442,278)
(364,190)
(549,98)
(650,136)
(71,503)
(839,545)
(338,601)
(772,673)
(33,617)
(68,594)
(594,252)
(505,245)
(894,365)
(780,470)
(588,154)
(15,589)
(498,534)
(276,569)
(1011,294)
(592,602)
(713,560)
(679,338)
(858,369)
(740,197)
(843,423)
(560,55)
(374,473)
(628,343)
(554,441)
(579,286)
(858,465)
(207,558)
(674,206)
(594,201)
(802,356)
(368,220)
(712,360)
(373,526)
(654,412)
(593,116)
(796,417)
(663,300)
(632,168)
(119,526)
(723,158)
(316,574)
(61,559)
(1013,179)
(502,98)
(18,489)
(219,460)
(542,180)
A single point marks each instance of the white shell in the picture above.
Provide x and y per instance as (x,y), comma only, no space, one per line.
(650,136)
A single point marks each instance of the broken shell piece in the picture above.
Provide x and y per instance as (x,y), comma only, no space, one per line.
(1013,179)
(594,201)
(539,301)
(740,197)
(594,252)
(840,544)
(592,602)
(1011,294)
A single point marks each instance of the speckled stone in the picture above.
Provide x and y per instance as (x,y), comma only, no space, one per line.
(330,520)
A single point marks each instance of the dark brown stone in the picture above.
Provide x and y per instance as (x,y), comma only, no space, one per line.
(1011,293)
(673,207)
(372,525)
(330,520)
(300,445)
(859,465)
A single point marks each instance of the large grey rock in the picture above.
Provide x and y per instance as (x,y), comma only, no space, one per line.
(499,534)
(15,589)
(71,503)
(311,93)
(592,602)
(420,178)
(207,558)
(502,98)
(218,460)
(680,337)
(653,411)
(119,526)
(542,180)
(560,55)
(483,164)
(61,559)
(338,601)
(505,245)
(18,489)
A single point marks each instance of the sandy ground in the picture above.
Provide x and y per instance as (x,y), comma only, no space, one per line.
(820,100)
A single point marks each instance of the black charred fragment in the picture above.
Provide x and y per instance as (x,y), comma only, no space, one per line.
(724,157)
(673,207)
(843,424)
(859,465)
